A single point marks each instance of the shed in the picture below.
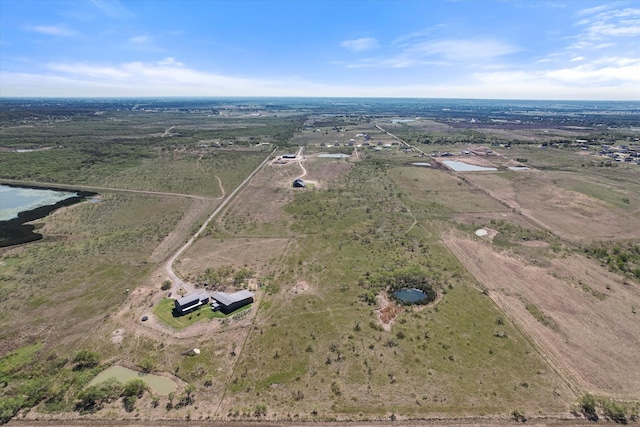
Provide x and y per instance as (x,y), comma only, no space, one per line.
(299,183)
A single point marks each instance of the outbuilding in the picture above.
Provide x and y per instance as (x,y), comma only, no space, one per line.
(298,183)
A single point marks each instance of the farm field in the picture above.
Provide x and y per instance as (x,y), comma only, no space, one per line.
(528,319)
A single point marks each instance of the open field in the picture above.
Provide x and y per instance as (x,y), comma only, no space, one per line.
(586,321)
(526,320)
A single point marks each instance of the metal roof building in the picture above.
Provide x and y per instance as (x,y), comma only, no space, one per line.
(231,302)
(191,302)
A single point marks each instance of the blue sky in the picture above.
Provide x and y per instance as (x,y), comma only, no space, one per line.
(503,49)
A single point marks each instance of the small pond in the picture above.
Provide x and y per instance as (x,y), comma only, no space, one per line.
(411,295)
(160,385)
(465,167)
(421,164)
(335,156)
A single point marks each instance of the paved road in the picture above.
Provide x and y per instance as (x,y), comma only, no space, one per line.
(178,282)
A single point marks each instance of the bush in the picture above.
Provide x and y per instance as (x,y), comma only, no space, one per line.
(518,416)
(166,285)
(86,359)
(614,412)
(135,387)
(588,407)
(92,398)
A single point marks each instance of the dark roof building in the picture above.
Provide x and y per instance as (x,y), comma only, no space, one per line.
(231,302)
(298,183)
(191,302)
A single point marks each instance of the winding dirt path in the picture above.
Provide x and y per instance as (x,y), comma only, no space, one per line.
(224,194)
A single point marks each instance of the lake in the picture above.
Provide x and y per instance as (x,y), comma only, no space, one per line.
(14,200)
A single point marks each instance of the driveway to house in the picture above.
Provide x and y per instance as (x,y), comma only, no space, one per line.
(177,281)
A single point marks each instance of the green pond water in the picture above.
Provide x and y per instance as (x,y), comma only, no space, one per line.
(160,385)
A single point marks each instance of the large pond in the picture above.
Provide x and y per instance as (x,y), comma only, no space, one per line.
(160,385)
(465,167)
(14,200)
(411,295)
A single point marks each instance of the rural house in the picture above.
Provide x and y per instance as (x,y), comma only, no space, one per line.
(190,302)
(299,183)
(227,303)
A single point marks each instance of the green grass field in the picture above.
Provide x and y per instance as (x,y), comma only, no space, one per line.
(311,347)
(165,308)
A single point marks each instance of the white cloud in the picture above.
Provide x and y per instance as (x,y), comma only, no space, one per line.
(459,50)
(440,52)
(54,30)
(611,23)
(140,39)
(614,77)
(170,61)
(577,58)
(361,44)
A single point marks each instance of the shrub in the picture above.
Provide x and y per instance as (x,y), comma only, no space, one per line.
(518,416)
(614,412)
(135,387)
(86,359)
(588,407)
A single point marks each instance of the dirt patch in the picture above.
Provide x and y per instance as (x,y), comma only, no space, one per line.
(535,243)
(117,336)
(301,287)
(262,199)
(580,315)
(539,199)
(256,254)
(387,312)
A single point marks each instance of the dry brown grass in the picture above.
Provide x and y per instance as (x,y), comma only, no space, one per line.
(568,214)
(596,344)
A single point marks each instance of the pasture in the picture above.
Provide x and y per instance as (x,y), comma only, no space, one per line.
(527,319)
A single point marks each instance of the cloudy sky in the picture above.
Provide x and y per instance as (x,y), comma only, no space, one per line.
(503,49)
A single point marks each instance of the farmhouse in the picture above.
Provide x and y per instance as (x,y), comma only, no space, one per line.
(190,302)
(227,303)
(299,183)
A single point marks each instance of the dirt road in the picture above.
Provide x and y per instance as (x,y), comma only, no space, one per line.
(177,281)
